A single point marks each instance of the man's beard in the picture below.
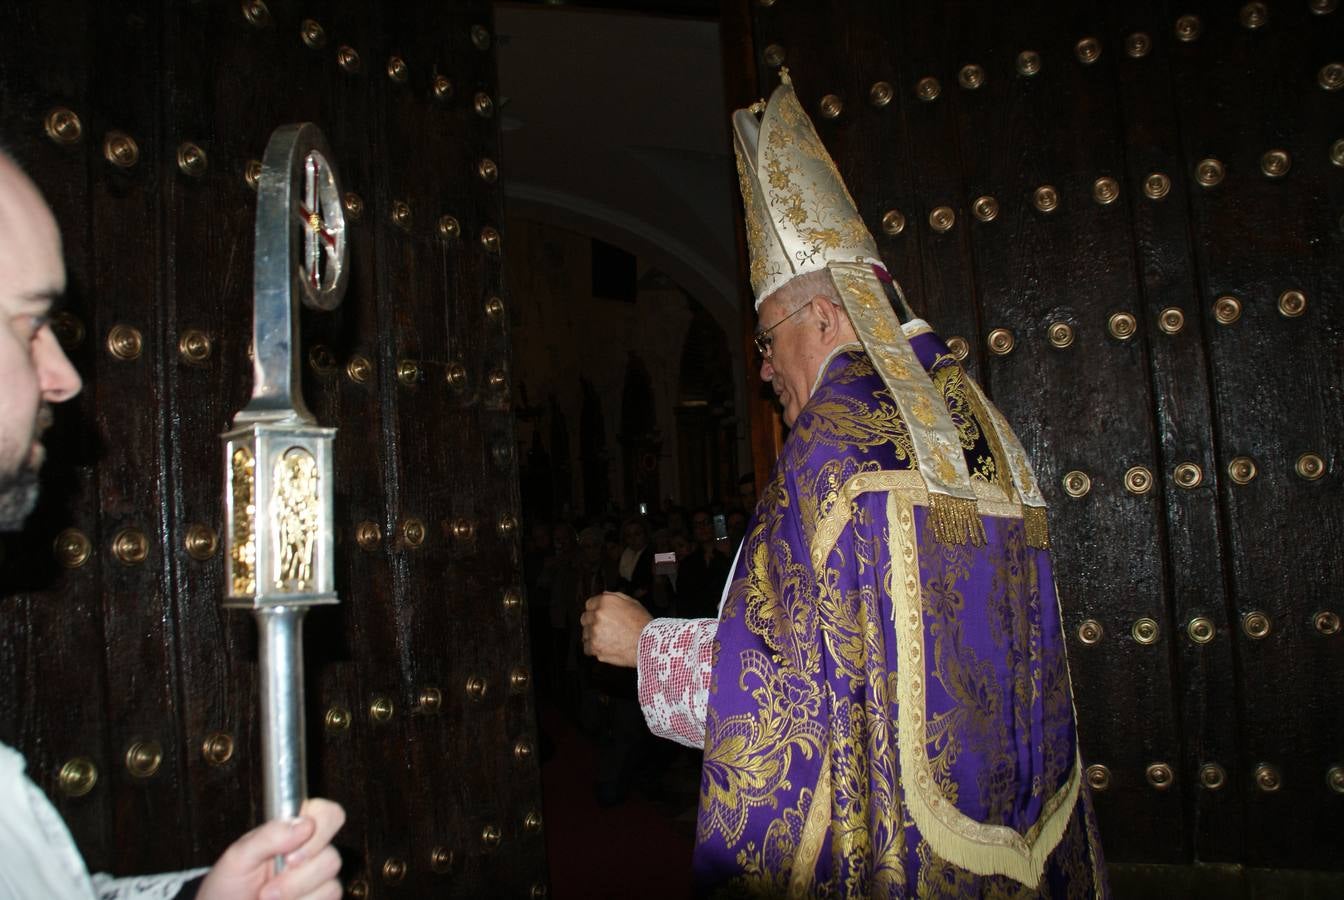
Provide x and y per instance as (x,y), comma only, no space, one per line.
(18,496)
(19,489)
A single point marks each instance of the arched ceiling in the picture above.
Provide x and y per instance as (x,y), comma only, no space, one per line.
(614,124)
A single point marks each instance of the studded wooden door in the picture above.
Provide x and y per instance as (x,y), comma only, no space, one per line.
(1129,218)
(129,689)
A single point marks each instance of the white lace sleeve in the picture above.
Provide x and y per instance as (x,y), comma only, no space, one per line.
(674,665)
(143,887)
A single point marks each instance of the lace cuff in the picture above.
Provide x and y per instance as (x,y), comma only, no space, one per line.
(675,660)
(165,886)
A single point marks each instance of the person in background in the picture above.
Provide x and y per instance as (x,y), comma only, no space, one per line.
(737,529)
(702,573)
(635,569)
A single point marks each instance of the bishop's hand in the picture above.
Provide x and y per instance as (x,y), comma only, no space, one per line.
(612,624)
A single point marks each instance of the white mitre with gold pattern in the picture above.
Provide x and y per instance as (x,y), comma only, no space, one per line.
(799,215)
(800,218)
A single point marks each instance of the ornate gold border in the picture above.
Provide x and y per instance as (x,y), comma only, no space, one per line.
(974,846)
(815,829)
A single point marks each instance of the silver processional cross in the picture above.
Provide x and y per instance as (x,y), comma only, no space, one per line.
(277,459)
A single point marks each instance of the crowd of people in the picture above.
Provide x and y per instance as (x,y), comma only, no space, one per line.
(675,562)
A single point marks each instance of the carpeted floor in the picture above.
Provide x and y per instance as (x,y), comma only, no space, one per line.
(640,848)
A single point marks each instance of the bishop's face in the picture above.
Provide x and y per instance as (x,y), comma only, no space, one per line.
(787,364)
(33,370)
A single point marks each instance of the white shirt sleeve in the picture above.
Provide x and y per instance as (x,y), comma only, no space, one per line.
(39,859)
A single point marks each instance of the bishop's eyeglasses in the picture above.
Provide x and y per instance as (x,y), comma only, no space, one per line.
(764,342)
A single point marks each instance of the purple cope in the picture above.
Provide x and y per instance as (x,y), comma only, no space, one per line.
(890,715)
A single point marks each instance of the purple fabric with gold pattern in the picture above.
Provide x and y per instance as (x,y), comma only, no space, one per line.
(807,789)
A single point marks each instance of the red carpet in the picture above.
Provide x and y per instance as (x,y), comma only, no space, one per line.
(634,850)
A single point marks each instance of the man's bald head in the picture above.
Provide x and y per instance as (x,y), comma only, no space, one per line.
(33,369)
(30,234)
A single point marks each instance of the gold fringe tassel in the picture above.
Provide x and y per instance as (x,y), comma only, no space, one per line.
(1038,529)
(1024,864)
(955,520)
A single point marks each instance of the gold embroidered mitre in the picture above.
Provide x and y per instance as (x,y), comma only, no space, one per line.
(799,215)
(800,218)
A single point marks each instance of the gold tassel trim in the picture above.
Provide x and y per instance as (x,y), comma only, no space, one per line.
(1038,529)
(955,520)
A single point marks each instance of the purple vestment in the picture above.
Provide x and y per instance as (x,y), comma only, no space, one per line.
(890,715)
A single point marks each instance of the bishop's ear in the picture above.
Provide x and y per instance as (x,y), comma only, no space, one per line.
(828,315)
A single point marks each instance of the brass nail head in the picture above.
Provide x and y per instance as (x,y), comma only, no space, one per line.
(1200,629)
(1098,777)
(1145,631)
(201,541)
(63,125)
(125,342)
(1000,341)
(217,748)
(191,159)
(1242,470)
(120,149)
(143,758)
(368,535)
(72,548)
(130,546)
(312,33)
(77,777)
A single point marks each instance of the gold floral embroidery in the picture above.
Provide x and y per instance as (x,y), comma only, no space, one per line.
(756,238)
(858,517)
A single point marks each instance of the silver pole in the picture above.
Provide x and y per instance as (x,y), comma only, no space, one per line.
(283,750)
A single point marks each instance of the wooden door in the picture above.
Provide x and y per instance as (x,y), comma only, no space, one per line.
(1129,220)
(130,690)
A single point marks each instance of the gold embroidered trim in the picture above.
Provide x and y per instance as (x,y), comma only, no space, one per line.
(915,327)
(995,501)
(991,501)
(1005,441)
(801,881)
(829,528)
(1003,465)
(1023,478)
(938,453)
(974,846)
(846,347)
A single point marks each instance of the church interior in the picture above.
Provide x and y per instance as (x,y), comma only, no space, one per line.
(1125,218)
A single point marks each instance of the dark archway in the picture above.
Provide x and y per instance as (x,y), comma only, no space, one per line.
(593,458)
(641,439)
(706,414)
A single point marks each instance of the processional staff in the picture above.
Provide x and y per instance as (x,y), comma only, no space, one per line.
(277,459)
